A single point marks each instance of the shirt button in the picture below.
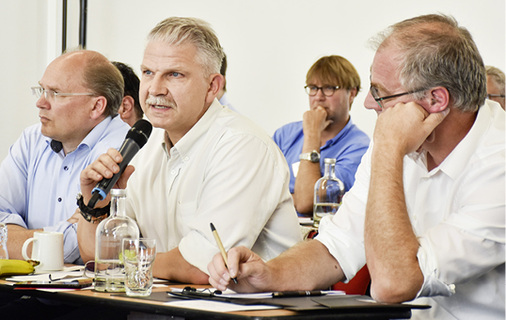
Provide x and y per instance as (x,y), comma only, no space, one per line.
(65,168)
(59,199)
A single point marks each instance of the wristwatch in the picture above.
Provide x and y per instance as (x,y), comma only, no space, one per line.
(90,214)
(313,156)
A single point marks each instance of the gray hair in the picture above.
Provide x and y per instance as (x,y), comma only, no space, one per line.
(436,51)
(178,30)
(496,75)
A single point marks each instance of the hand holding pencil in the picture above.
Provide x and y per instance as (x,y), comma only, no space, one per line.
(220,246)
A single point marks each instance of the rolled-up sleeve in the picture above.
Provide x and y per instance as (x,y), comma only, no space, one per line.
(343,234)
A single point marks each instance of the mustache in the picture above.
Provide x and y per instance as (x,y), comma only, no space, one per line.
(161,101)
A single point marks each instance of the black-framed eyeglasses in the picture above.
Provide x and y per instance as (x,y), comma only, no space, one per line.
(493,95)
(327,91)
(50,94)
(378,99)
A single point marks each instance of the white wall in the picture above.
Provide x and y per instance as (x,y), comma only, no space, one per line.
(22,60)
(270,45)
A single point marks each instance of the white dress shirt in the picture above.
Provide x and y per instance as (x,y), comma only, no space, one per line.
(224,171)
(457,210)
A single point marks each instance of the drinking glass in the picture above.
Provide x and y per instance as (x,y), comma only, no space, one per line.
(138,256)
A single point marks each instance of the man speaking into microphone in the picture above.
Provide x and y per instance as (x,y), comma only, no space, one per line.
(202,163)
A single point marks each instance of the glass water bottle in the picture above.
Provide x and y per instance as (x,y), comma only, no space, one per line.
(328,193)
(109,270)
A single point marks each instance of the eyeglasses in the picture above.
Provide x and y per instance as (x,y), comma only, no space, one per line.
(492,95)
(378,99)
(50,94)
(328,91)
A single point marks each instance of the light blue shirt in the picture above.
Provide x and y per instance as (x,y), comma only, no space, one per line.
(39,186)
(347,147)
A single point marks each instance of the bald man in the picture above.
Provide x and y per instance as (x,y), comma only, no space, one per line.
(78,98)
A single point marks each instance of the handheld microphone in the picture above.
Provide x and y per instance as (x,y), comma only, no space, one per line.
(135,139)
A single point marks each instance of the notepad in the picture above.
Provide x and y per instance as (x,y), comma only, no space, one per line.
(263,295)
(260,295)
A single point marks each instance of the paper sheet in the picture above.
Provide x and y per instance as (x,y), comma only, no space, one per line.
(217,306)
(74,273)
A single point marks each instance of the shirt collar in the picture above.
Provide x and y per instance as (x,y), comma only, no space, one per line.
(458,159)
(185,144)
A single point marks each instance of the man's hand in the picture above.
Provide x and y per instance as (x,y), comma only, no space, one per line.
(399,130)
(405,127)
(251,272)
(315,121)
(288,271)
(104,167)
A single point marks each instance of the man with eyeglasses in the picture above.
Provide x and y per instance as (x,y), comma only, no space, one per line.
(495,85)
(426,211)
(326,131)
(78,98)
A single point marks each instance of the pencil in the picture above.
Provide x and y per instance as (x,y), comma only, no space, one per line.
(222,249)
